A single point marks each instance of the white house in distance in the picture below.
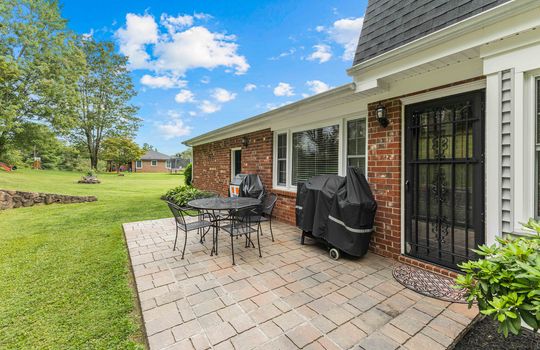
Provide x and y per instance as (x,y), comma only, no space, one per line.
(441,114)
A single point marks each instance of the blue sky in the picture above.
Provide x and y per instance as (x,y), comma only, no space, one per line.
(200,65)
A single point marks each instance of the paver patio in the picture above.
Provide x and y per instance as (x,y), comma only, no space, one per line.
(293,297)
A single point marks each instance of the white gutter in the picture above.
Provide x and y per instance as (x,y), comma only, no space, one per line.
(258,120)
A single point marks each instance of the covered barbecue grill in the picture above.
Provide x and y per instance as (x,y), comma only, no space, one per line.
(246,185)
(338,211)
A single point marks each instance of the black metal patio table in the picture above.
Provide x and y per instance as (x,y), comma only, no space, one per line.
(214,205)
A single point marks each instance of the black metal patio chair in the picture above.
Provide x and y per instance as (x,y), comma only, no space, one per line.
(201,225)
(264,212)
(243,223)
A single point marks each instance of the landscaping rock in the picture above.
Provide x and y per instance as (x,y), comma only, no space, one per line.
(89,180)
(15,199)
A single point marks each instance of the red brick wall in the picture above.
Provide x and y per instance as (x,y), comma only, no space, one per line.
(212,161)
(384,176)
(148,168)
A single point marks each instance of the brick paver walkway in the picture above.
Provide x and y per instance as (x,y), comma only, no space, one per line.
(293,297)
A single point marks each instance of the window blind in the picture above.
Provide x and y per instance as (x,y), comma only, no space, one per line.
(315,152)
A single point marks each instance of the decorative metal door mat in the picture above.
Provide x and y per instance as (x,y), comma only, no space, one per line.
(428,283)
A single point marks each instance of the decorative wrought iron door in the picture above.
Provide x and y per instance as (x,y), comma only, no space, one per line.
(444,178)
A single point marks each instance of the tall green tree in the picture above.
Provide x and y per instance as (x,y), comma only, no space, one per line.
(39,66)
(121,150)
(148,147)
(103,108)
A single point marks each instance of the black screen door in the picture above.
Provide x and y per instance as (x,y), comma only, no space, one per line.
(444,178)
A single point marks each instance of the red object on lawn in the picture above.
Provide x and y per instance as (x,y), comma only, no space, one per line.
(5,167)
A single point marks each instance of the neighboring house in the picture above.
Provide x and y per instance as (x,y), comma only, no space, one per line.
(458,83)
(152,162)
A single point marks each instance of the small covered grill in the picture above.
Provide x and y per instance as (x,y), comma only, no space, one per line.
(246,185)
(338,211)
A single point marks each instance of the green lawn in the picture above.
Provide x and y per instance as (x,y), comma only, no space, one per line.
(64,275)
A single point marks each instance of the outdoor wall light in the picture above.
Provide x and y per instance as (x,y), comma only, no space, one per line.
(382,118)
(245,141)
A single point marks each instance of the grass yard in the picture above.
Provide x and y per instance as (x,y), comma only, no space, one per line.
(65,280)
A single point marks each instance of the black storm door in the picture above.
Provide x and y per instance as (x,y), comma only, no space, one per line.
(444,178)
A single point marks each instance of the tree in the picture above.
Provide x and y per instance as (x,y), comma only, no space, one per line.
(104,91)
(39,65)
(148,147)
(186,154)
(120,150)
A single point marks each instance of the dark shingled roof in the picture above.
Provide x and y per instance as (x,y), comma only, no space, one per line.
(389,24)
(153,155)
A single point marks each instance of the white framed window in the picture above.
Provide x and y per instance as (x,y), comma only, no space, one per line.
(319,148)
(236,161)
(168,164)
(357,144)
(138,164)
(281,159)
(153,162)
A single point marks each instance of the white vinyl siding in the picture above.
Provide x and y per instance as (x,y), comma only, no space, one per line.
(506,151)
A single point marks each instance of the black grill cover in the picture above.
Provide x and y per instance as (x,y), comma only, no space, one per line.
(337,210)
(252,186)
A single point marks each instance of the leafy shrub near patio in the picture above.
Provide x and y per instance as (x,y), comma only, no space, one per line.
(181,195)
(506,282)
(188,174)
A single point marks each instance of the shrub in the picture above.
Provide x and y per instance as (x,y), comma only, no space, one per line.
(188,174)
(506,283)
(181,195)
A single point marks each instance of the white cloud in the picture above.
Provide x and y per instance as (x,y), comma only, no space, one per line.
(319,29)
(322,53)
(162,82)
(346,32)
(202,16)
(192,113)
(184,96)
(205,79)
(271,106)
(222,95)
(209,107)
(317,86)
(176,127)
(139,32)
(173,24)
(197,47)
(177,50)
(284,89)
(250,87)
(289,52)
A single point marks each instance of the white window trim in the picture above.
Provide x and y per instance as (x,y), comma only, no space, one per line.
(232,159)
(168,164)
(152,162)
(342,149)
(137,165)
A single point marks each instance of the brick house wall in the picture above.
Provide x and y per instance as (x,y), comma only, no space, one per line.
(212,169)
(212,161)
(148,168)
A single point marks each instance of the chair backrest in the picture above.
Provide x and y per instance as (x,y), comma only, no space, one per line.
(178,213)
(268,203)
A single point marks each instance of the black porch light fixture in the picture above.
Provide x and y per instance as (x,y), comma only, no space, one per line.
(245,141)
(382,118)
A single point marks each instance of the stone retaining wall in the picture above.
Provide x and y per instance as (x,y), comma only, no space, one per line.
(16,199)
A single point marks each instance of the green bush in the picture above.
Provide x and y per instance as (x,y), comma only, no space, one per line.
(181,195)
(506,282)
(188,174)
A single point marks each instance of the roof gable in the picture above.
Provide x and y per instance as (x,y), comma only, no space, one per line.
(389,24)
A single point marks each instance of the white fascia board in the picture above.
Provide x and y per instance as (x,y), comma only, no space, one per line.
(266,120)
(521,59)
(499,22)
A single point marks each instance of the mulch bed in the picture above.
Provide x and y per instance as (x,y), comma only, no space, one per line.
(483,335)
